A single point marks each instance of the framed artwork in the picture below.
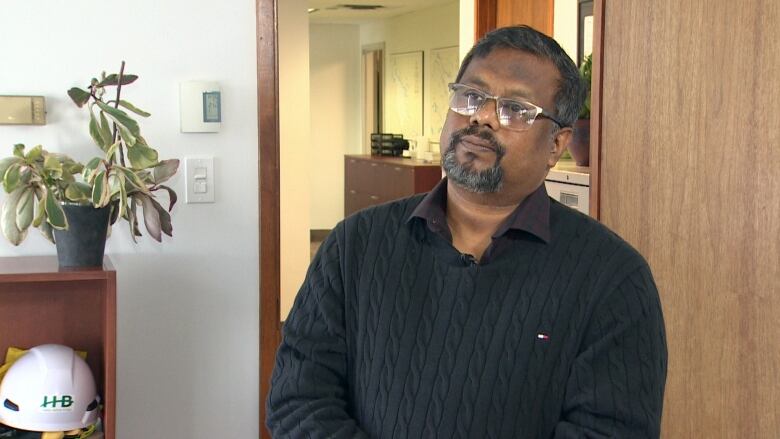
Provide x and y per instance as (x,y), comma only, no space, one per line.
(443,68)
(404,102)
(584,30)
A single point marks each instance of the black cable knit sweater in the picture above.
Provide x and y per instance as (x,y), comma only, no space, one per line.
(395,335)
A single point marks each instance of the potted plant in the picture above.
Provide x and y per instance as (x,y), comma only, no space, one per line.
(68,200)
(37,182)
(579,146)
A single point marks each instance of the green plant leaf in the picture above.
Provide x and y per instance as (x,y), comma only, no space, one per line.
(99,189)
(132,219)
(89,169)
(133,108)
(19,150)
(165,170)
(78,192)
(25,209)
(115,180)
(79,96)
(94,131)
(586,73)
(54,213)
(34,154)
(105,130)
(122,197)
(47,231)
(142,157)
(171,195)
(165,219)
(120,117)
(6,163)
(113,79)
(111,152)
(53,166)
(134,180)
(41,210)
(127,136)
(11,177)
(8,218)
(151,217)
(72,168)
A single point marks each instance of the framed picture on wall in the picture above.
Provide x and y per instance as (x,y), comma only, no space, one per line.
(584,30)
(405,94)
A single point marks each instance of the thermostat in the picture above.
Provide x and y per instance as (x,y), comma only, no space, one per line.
(201,107)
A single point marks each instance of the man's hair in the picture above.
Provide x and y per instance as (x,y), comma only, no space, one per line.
(571,91)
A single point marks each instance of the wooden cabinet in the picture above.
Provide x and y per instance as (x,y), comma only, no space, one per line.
(371,180)
(40,303)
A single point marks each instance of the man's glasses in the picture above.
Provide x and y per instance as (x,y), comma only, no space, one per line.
(512,114)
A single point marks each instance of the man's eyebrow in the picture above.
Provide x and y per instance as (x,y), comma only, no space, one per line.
(514,93)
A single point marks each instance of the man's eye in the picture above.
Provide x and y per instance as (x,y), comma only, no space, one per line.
(472,95)
(516,108)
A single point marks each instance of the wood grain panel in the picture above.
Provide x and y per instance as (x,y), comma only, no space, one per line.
(484,17)
(268,198)
(535,13)
(689,155)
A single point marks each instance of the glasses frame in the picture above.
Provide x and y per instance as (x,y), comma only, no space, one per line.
(487,96)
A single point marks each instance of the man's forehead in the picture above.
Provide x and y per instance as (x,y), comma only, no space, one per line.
(512,72)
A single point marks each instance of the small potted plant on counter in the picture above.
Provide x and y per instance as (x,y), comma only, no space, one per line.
(579,146)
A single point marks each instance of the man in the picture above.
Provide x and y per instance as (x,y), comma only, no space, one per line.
(483,309)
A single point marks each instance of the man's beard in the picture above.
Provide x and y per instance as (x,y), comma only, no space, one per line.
(485,181)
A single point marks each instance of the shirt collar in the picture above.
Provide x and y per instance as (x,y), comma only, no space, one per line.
(532,215)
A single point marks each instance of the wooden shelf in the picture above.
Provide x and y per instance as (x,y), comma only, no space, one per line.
(41,303)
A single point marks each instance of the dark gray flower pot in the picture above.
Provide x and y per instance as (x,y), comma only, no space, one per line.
(84,243)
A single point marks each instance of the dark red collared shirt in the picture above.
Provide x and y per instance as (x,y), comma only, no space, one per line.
(531,217)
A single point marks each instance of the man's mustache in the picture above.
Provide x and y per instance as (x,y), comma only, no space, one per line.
(482,133)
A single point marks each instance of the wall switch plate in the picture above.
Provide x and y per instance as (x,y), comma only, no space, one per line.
(22,110)
(200,179)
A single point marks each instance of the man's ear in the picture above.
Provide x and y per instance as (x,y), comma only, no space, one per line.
(559,142)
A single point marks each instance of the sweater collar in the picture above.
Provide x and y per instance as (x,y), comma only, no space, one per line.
(532,215)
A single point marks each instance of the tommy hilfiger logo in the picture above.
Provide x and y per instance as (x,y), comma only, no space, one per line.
(543,336)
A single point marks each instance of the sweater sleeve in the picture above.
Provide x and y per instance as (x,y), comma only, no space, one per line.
(616,385)
(308,396)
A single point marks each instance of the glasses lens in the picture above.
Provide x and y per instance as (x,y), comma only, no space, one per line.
(517,115)
(465,100)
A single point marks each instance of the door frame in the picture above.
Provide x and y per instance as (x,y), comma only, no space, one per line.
(268,194)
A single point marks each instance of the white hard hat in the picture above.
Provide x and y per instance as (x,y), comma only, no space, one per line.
(50,388)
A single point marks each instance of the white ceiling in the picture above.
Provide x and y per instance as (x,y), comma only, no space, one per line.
(330,12)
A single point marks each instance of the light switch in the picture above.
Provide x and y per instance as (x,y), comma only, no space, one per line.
(200,179)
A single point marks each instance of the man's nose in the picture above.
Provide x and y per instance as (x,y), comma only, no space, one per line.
(487,115)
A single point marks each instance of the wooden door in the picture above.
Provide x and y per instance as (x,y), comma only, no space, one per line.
(687,139)
(492,14)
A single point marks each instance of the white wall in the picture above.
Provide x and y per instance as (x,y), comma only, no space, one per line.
(466,27)
(187,309)
(565,21)
(295,147)
(335,116)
